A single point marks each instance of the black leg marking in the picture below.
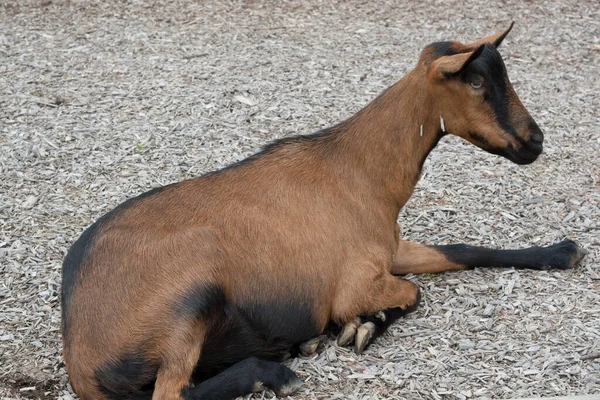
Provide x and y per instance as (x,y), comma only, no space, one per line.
(563,255)
(376,325)
(234,336)
(247,376)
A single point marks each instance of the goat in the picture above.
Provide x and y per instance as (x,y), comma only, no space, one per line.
(198,289)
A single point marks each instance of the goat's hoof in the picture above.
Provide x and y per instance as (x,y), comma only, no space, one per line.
(259,386)
(360,333)
(348,332)
(564,255)
(364,333)
(286,356)
(290,387)
(578,255)
(312,346)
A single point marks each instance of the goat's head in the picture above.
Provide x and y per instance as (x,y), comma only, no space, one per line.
(476,101)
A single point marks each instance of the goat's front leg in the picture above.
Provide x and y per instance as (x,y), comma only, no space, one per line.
(373,307)
(419,259)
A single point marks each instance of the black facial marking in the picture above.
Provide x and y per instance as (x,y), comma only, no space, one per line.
(479,139)
(490,66)
(130,377)
(75,260)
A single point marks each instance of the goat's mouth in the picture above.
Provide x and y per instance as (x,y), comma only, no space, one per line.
(526,154)
(523,156)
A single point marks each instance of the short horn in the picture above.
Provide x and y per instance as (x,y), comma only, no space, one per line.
(495,39)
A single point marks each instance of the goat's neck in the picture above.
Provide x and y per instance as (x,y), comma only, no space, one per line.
(391,138)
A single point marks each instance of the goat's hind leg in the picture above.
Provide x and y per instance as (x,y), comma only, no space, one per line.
(179,355)
(419,259)
(247,376)
(180,359)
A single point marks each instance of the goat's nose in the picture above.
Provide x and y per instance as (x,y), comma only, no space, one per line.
(537,137)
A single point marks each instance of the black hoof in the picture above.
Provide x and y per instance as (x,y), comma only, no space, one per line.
(563,255)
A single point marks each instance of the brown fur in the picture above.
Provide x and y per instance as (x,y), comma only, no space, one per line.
(315,218)
(415,258)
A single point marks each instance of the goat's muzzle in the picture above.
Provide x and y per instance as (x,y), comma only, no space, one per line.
(530,148)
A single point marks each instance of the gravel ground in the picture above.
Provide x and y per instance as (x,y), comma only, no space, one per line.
(103,100)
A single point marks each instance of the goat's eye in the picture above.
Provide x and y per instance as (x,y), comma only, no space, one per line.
(476,85)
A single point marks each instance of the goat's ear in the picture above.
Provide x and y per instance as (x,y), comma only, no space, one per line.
(450,66)
(495,39)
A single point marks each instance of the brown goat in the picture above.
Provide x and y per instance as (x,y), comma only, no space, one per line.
(197,289)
